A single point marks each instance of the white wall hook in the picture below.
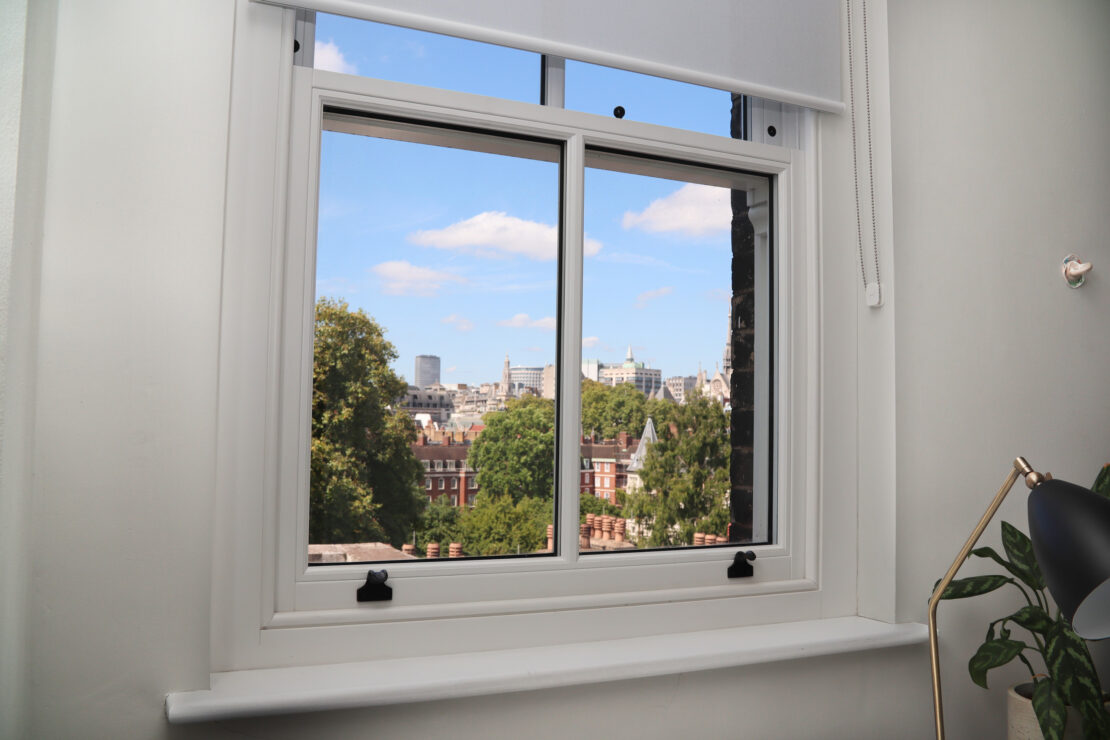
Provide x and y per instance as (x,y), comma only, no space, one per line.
(1075,271)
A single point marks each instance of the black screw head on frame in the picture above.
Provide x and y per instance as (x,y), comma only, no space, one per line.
(619,111)
(771,130)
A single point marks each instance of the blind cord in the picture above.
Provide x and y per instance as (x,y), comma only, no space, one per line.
(872,290)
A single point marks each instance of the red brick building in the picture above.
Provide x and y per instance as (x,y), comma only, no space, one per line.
(445,470)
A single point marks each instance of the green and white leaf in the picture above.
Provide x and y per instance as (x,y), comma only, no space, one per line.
(1019,549)
(1102,481)
(1072,670)
(992,654)
(1017,572)
(1032,618)
(1051,711)
(963,588)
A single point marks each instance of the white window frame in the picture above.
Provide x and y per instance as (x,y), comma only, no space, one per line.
(270,609)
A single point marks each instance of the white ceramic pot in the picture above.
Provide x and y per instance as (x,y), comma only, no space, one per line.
(1022,720)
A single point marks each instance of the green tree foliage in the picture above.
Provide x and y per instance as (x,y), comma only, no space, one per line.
(686,476)
(610,409)
(499,526)
(515,454)
(590,504)
(365,481)
(440,523)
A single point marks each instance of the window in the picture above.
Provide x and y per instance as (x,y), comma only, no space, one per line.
(596,89)
(406,55)
(454,483)
(396,134)
(482,249)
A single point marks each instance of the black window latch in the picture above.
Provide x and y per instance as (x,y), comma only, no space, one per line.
(741,565)
(375,588)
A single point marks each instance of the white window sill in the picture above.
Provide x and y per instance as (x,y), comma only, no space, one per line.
(254,693)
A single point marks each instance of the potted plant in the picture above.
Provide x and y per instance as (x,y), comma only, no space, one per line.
(1069,676)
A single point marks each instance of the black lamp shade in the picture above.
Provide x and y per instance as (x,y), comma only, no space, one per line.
(1070,529)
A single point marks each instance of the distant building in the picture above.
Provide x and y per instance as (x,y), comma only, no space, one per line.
(646,379)
(680,385)
(437,403)
(426,372)
(523,379)
(604,465)
(591,370)
(446,473)
(639,455)
(548,390)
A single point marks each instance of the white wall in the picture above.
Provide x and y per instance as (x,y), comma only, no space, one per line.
(1000,166)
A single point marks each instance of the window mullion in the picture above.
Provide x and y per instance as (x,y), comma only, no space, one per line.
(553,81)
(570,344)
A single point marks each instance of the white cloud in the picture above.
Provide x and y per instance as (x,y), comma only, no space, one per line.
(402,278)
(590,341)
(459,322)
(328,57)
(453,368)
(524,321)
(693,210)
(493,233)
(651,295)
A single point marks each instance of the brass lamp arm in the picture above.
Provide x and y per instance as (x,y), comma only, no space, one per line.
(1032,479)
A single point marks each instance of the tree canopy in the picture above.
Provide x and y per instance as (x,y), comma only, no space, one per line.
(515,454)
(608,410)
(499,526)
(686,476)
(365,481)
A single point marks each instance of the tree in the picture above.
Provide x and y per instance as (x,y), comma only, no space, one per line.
(590,504)
(686,476)
(365,481)
(499,526)
(515,454)
(610,409)
(440,523)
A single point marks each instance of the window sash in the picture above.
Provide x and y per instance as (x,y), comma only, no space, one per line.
(302,597)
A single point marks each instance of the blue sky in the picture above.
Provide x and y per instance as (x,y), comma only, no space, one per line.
(453,251)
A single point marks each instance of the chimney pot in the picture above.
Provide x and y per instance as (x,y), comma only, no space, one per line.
(699,539)
(433,549)
(455,550)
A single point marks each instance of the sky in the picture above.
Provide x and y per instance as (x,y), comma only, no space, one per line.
(454,251)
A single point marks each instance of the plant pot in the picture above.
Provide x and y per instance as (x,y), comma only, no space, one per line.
(1021,720)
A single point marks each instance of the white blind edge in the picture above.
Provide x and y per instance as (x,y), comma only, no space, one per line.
(356,9)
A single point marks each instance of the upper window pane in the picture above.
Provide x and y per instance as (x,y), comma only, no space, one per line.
(592,88)
(358,47)
(436,286)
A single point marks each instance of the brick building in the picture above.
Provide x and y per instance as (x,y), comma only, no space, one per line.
(446,472)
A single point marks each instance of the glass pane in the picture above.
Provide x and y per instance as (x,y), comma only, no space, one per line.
(367,49)
(670,443)
(592,88)
(433,377)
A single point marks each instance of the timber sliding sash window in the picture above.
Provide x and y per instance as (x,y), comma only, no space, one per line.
(272,605)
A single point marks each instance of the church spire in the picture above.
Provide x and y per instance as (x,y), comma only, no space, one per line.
(505,382)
